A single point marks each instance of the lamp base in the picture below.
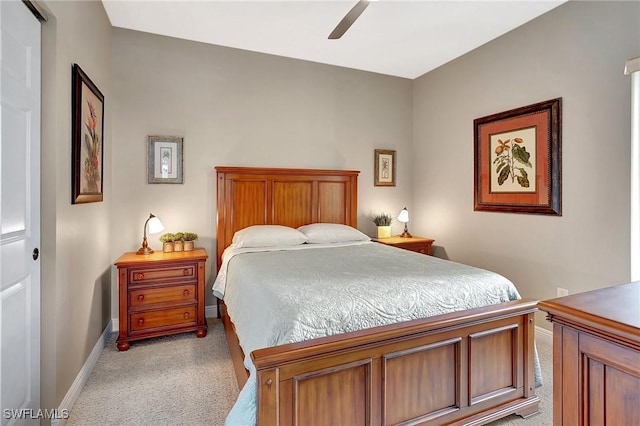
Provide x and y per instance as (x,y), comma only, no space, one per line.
(405,234)
(144,250)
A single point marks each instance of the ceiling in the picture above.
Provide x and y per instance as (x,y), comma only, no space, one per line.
(393,37)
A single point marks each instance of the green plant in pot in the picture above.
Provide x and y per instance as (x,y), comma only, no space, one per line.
(189,238)
(383,222)
(167,242)
(178,241)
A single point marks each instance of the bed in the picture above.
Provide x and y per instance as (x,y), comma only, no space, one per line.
(485,356)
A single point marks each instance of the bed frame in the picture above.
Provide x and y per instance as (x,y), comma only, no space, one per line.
(469,367)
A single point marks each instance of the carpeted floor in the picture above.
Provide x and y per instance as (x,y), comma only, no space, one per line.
(183,380)
(173,380)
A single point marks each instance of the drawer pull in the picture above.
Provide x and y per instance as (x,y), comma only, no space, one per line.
(186,272)
(185,293)
(141,298)
(138,277)
(141,321)
(186,315)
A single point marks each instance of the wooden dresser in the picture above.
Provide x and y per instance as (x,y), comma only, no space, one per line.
(596,356)
(160,294)
(417,244)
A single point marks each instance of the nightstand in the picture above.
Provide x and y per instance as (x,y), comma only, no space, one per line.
(160,294)
(417,244)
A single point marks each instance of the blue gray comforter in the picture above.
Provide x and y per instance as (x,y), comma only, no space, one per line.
(292,295)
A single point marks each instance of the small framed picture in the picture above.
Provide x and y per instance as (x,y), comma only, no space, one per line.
(165,159)
(385,167)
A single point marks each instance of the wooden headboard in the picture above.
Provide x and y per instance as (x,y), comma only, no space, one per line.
(291,197)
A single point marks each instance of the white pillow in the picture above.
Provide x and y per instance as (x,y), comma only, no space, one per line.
(268,236)
(322,233)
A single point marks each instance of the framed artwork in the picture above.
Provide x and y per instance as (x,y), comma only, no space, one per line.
(164,159)
(87,139)
(385,167)
(518,160)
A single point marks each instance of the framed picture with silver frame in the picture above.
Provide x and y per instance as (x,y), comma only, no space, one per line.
(164,162)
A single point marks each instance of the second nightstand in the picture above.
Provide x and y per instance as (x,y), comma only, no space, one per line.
(417,244)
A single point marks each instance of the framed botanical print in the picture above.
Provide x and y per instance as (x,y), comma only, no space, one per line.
(87,139)
(518,160)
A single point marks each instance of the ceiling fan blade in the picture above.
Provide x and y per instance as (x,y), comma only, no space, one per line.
(348,20)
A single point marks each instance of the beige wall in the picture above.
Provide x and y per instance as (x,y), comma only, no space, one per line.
(75,238)
(235,107)
(576,52)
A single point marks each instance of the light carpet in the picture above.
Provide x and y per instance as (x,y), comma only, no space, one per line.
(183,380)
(172,380)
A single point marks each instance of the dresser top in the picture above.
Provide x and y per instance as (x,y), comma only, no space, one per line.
(614,309)
(132,259)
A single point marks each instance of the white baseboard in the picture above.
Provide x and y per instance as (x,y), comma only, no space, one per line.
(544,334)
(83,375)
(211,311)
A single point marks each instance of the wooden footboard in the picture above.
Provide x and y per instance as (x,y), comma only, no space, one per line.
(468,367)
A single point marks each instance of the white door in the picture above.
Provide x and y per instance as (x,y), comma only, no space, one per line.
(19,214)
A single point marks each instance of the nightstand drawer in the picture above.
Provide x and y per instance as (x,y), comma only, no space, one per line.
(417,247)
(164,318)
(150,296)
(144,276)
(415,244)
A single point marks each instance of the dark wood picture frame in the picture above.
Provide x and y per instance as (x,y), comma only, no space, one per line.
(385,167)
(517,160)
(164,159)
(87,126)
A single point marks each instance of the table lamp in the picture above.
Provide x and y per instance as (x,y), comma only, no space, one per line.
(404,217)
(154,226)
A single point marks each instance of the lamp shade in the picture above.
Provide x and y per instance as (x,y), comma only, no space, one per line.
(154,225)
(404,215)
(404,218)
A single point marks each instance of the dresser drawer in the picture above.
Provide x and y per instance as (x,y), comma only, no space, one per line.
(144,276)
(150,296)
(164,318)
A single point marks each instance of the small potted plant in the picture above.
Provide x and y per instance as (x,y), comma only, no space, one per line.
(167,242)
(189,238)
(383,222)
(178,241)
